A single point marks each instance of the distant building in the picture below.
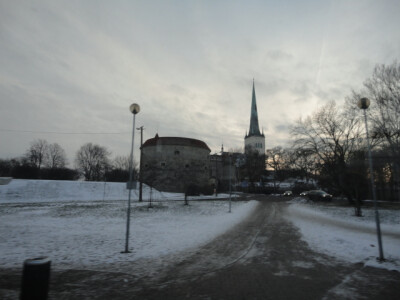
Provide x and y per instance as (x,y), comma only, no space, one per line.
(173,164)
(254,139)
(224,169)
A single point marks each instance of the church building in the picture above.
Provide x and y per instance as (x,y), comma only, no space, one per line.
(254,139)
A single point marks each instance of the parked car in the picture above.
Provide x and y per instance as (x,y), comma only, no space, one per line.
(288,193)
(319,195)
(305,193)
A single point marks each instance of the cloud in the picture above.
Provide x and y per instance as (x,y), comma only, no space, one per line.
(279,55)
(77,66)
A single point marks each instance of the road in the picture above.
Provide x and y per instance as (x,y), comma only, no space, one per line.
(261,258)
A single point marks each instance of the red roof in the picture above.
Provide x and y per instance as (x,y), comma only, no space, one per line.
(175,141)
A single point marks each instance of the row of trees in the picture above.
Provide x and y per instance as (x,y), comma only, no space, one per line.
(42,154)
(48,161)
(331,145)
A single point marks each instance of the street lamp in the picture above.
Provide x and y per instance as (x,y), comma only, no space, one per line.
(230,184)
(364,103)
(141,165)
(134,108)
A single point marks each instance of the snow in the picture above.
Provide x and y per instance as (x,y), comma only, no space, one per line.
(22,191)
(83,224)
(72,224)
(333,230)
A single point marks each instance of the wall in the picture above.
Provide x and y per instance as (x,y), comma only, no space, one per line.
(173,168)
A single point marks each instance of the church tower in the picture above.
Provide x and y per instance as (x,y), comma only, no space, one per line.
(254,140)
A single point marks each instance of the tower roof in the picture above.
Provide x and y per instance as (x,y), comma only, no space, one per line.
(254,128)
(175,141)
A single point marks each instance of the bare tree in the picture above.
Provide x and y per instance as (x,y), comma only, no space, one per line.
(333,135)
(276,159)
(36,153)
(55,157)
(253,166)
(303,161)
(122,163)
(92,161)
(118,171)
(383,88)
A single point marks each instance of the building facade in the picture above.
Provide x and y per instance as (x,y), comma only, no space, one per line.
(224,170)
(172,164)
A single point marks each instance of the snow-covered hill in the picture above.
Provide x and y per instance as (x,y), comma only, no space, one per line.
(69,222)
(21,190)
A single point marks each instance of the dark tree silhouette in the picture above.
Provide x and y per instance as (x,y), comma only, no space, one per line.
(92,161)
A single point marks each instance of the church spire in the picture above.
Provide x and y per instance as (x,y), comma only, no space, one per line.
(254,129)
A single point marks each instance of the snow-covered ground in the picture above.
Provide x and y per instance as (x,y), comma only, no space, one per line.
(336,231)
(20,190)
(72,224)
(82,225)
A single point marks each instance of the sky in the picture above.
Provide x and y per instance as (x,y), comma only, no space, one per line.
(69,70)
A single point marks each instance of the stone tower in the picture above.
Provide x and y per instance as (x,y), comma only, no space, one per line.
(254,140)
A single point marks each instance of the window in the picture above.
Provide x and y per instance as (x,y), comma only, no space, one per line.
(163,164)
(177,152)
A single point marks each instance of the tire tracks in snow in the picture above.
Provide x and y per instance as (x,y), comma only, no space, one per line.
(215,256)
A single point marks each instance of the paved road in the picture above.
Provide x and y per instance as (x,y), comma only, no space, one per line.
(261,258)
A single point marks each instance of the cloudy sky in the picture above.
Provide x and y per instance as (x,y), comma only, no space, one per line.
(69,70)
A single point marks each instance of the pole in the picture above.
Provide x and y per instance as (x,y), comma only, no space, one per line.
(378,227)
(140,165)
(130,189)
(230,185)
(216,177)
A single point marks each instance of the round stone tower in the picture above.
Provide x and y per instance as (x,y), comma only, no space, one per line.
(173,164)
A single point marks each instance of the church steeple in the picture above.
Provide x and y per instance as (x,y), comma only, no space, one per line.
(254,128)
(254,139)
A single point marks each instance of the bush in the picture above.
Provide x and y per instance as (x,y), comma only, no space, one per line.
(192,190)
(207,190)
(117,175)
(25,171)
(5,168)
(58,174)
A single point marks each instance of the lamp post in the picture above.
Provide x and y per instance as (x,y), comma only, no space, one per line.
(230,184)
(134,108)
(141,165)
(364,103)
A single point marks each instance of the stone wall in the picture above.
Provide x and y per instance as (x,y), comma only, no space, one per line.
(173,168)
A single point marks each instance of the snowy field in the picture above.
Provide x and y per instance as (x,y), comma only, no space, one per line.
(23,191)
(72,224)
(337,232)
(82,225)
